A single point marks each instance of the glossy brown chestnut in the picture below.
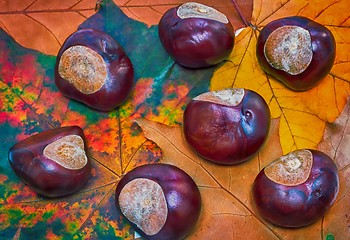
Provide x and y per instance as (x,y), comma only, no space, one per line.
(161,201)
(227,126)
(297,51)
(53,163)
(196,35)
(92,68)
(296,189)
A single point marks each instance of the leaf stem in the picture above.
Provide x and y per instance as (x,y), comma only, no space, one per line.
(244,20)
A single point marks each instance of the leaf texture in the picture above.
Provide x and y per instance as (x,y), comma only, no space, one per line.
(43,25)
(33,31)
(303,114)
(51,22)
(335,143)
(228,211)
(150,12)
(30,103)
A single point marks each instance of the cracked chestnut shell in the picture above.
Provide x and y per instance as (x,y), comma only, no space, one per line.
(297,51)
(196,35)
(227,126)
(92,68)
(53,163)
(296,189)
(160,201)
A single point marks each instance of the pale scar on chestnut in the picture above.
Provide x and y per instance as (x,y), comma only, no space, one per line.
(289,48)
(197,10)
(292,169)
(84,68)
(143,202)
(228,97)
(67,151)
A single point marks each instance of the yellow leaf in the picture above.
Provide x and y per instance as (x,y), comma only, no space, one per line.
(303,114)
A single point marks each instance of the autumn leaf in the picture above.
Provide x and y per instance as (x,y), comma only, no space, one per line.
(51,22)
(31,34)
(228,211)
(303,114)
(43,25)
(151,12)
(30,103)
(335,143)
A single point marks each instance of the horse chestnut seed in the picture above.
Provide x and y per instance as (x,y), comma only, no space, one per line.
(297,189)
(161,201)
(196,35)
(227,126)
(297,51)
(54,162)
(92,68)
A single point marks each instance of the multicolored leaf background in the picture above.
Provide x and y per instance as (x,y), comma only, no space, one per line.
(147,128)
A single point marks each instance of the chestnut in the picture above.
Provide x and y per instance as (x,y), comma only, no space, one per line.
(160,200)
(53,163)
(297,189)
(227,126)
(196,35)
(297,51)
(91,67)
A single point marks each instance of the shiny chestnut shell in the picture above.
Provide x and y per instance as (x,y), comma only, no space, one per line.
(323,49)
(45,176)
(92,68)
(180,195)
(195,42)
(301,204)
(227,126)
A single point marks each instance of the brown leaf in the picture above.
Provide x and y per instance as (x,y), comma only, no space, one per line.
(51,22)
(335,143)
(43,25)
(227,210)
(151,12)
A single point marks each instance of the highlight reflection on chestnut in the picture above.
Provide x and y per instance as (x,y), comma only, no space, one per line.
(196,35)
(297,51)
(92,68)
(227,126)
(53,163)
(296,189)
(161,201)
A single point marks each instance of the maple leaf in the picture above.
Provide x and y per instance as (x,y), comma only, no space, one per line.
(228,211)
(151,12)
(49,21)
(303,114)
(30,103)
(335,143)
